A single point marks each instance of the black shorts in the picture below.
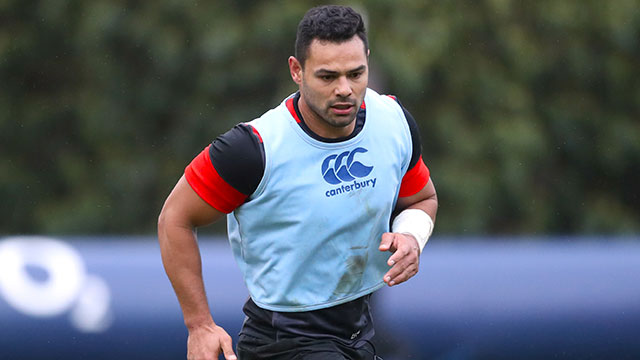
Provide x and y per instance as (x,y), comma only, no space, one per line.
(251,348)
(340,332)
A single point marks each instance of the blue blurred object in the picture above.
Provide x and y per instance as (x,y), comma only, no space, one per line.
(474,298)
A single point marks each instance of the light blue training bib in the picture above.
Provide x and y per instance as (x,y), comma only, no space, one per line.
(308,237)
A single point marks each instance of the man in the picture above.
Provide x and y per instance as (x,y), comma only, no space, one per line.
(310,189)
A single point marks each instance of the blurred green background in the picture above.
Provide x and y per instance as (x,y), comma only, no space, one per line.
(529,110)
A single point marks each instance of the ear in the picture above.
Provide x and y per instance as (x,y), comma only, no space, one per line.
(295,69)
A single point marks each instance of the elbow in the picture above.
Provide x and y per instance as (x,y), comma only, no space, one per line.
(161,225)
(163,221)
(434,198)
(171,224)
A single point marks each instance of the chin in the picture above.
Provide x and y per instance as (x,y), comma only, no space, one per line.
(341,123)
(340,120)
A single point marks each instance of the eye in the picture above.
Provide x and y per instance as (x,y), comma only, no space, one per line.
(326,77)
(355,75)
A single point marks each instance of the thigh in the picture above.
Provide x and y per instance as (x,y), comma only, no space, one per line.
(251,348)
(320,355)
(335,351)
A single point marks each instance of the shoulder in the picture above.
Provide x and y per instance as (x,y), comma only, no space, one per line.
(389,101)
(414,130)
(238,156)
(229,170)
(272,121)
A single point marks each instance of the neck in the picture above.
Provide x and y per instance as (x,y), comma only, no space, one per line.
(320,126)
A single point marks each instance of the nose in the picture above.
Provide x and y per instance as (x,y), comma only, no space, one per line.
(343,87)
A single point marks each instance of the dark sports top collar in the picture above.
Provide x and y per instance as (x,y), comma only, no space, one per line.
(292,105)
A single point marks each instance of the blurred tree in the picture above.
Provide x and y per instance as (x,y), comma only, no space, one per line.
(528,110)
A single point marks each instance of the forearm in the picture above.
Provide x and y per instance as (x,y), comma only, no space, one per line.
(428,205)
(182,213)
(416,215)
(413,222)
(183,265)
(425,200)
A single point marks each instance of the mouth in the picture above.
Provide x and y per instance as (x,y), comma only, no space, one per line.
(342,108)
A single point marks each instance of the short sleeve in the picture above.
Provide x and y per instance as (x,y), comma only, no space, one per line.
(229,170)
(417,175)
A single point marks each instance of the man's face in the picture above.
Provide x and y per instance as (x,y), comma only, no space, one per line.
(332,85)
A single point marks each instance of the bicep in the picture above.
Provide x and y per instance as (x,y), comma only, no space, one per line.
(185,208)
(425,199)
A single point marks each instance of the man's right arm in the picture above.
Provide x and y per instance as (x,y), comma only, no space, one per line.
(181,214)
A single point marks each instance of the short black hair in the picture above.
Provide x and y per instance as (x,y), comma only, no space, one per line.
(329,22)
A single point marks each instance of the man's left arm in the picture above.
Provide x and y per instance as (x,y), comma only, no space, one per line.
(411,229)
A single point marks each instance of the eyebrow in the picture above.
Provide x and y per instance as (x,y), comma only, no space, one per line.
(331,72)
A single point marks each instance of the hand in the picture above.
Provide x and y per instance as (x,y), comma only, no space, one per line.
(405,259)
(206,341)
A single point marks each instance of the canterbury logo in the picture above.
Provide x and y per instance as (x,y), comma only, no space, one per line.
(342,168)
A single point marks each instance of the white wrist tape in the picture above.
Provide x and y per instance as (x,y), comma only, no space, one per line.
(414,222)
